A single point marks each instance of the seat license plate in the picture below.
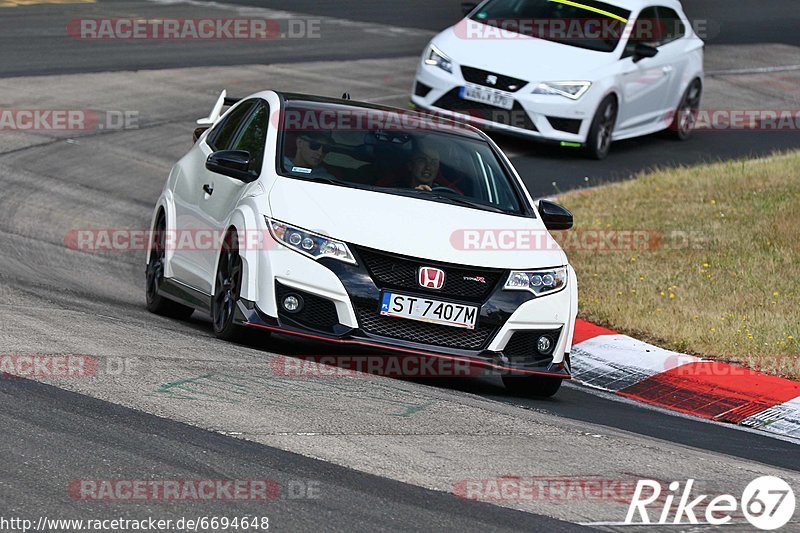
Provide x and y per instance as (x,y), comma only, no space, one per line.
(486,95)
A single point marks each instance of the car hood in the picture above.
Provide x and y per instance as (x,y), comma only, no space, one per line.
(414,227)
(526,58)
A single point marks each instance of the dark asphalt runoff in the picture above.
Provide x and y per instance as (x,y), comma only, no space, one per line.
(52,438)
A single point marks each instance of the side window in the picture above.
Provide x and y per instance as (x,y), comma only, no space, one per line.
(253,136)
(645,30)
(670,25)
(223,133)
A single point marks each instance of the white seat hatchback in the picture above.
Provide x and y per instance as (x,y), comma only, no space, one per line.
(581,73)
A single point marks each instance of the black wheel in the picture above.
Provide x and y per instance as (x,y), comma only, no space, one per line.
(228,286)
(532,386)
(154,275)
(598,143)
(685,118)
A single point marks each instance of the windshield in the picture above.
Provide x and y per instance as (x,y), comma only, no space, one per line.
(583,23)
(396,153)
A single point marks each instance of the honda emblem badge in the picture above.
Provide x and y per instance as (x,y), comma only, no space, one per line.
(430,278)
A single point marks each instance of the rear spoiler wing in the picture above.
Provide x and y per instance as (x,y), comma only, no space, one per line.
(223,101)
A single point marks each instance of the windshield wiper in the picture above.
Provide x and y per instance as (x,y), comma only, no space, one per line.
(460,200)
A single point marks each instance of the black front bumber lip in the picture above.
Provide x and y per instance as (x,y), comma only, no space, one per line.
(248,314)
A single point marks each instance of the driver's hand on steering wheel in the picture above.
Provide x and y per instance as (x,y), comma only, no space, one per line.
(423,187)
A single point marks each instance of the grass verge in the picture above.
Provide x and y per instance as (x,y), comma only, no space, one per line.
(716,269)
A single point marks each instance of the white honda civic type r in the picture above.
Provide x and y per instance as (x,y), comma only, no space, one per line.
(352,223)
(582,73)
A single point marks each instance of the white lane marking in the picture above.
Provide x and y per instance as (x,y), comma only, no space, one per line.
(754,70)
(250,11)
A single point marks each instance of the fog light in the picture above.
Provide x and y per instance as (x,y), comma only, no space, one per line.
(292,303)
(544,345)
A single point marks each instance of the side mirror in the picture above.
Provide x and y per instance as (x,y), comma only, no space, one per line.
(642,51)
(467,7)
(554,216)
(232,163)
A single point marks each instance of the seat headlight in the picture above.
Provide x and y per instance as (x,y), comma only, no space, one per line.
(309,243)
(437,58)
(539,282)
(570,89)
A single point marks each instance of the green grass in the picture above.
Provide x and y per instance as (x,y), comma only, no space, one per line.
(723,282)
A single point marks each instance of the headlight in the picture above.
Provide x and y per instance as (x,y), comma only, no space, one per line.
(307,243)
(436,57)
(570,89)
(539,282)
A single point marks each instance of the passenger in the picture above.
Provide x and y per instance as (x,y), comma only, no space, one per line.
(311,148)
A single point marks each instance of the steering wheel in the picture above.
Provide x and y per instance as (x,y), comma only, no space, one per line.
(442,188)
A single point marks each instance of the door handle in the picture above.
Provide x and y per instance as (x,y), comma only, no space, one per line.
(666,69)
(208,189)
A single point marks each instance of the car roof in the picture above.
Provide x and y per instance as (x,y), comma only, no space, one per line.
(427,122)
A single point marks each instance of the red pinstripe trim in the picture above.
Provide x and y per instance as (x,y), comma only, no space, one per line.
(404,350)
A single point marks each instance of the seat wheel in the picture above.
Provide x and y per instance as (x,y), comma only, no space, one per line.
(598,143)
(685,118)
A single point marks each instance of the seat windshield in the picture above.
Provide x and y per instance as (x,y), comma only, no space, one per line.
(395,153)
(585,24)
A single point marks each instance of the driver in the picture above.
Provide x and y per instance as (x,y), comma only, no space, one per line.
(424,168)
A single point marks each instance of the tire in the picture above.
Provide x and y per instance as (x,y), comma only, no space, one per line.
(532,386)
(227,290)
(685,118)
(598,142)
(154,276)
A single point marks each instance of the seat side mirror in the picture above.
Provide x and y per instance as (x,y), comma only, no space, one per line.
(232,163)
(643,51)
(554,216)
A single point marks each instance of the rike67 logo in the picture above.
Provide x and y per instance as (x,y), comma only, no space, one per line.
(767,502)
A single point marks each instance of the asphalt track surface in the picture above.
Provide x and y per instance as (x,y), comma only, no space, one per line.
(55,300)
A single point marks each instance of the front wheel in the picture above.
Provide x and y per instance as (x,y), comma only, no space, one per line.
(228,286)
(532,386)
(154,276)
(685,118)
(598,143)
